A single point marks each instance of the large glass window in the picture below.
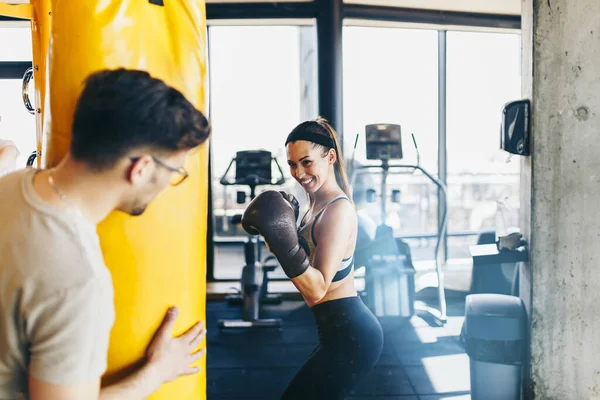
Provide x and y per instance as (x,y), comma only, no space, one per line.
(17,124)
(391,76)
(15,41)
(257,93)
(483,73)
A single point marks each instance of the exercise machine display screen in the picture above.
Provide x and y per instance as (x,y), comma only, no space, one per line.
(384,142)
(253,162)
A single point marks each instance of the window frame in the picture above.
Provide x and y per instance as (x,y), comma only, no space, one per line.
(330,16)
(364,15)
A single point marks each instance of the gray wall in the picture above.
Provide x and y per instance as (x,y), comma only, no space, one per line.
(561,196)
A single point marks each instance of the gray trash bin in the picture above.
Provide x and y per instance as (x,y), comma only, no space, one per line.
(494,337)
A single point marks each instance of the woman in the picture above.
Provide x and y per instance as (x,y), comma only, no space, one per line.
(350,337)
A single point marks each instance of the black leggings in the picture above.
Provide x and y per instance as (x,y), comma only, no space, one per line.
(350,343)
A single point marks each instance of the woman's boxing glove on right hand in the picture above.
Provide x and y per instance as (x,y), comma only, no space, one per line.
(273,216)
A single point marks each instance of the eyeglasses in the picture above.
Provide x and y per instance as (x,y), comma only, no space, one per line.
(178,175)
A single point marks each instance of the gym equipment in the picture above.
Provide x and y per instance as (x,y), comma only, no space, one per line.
(27,77)
(384,143)
(496,263)
(491,274)
(39,13)
(159,258)
(495,338)
(389,278)
(252,168)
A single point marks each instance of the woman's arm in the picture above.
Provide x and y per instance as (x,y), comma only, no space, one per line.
(272,215)
(333,231)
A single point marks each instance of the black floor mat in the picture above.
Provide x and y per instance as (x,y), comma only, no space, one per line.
(259,363)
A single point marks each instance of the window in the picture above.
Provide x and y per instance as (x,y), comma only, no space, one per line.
(391,76)
(15,41)
(483,73)
(17,124)
(256,98)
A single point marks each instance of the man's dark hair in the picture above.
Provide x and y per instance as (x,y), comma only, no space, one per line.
(122,110)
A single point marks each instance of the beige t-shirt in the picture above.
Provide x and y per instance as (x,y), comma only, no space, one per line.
(56,294)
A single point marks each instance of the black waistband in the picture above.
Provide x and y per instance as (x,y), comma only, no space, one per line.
(336,304)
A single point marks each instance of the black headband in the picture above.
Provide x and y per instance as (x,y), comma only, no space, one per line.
(311,137)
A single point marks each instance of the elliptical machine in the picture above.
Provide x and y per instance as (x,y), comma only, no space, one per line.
(383,142)
(252,168)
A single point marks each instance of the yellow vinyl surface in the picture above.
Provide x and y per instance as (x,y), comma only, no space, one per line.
(16,10)
(158,259)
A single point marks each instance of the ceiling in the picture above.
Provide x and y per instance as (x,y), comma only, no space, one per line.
(507,7)
(510,7)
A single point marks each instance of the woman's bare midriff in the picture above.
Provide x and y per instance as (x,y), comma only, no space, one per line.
(338,290)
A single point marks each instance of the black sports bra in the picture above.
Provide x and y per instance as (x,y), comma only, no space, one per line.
(306,234)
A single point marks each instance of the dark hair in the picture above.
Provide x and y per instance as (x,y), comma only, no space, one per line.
(322,127)
(122,110)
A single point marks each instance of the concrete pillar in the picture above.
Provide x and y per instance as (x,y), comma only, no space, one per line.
(561,197)
(329,59)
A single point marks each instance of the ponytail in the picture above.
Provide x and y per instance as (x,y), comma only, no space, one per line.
(340,171)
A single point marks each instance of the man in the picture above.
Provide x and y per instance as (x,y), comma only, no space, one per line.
(130,136)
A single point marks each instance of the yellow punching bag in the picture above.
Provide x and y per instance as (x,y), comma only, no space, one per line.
(158,259)
(41,25)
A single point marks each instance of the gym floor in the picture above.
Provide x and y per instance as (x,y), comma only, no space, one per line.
(419,361)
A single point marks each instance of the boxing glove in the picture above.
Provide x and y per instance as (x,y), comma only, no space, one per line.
(293,202)
(296,206)
(273,216)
